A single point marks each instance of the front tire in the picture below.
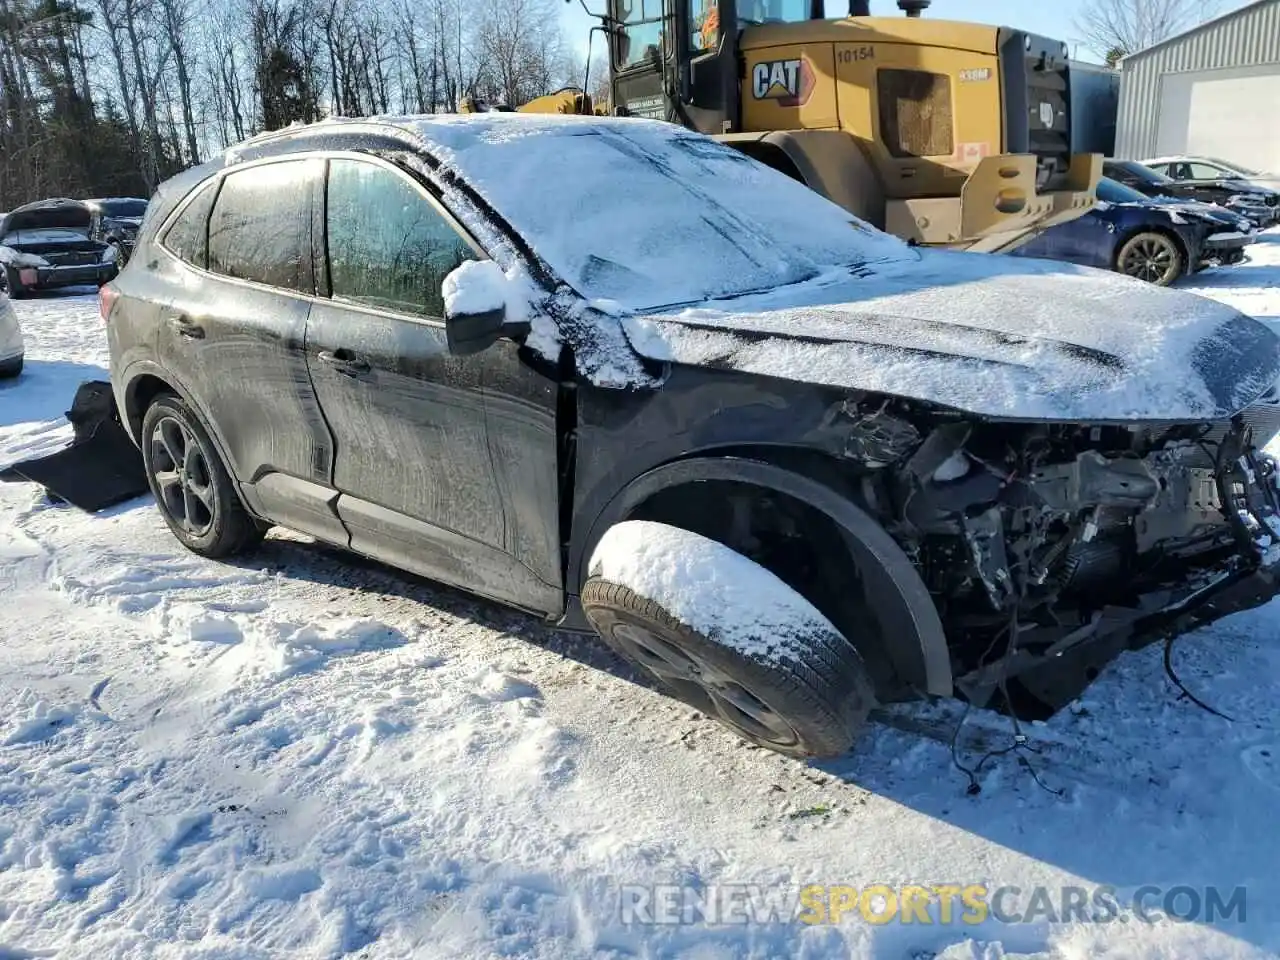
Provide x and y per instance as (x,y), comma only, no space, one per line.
(806,697)
(9,284)
(10,368)
(1152,257)
(195,493)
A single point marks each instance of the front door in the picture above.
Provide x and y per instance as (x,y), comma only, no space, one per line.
(413,464)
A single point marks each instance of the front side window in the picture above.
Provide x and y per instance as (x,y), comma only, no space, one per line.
(1203,171)
(915,113)
(388,246)
(261,226)
(640,36)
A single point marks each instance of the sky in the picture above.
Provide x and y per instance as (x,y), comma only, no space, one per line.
(1051,18)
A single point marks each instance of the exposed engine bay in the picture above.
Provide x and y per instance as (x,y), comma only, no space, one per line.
(1049,548)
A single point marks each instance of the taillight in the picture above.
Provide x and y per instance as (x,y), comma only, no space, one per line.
(107,297)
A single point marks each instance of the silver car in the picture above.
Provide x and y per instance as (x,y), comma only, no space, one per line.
(11,349)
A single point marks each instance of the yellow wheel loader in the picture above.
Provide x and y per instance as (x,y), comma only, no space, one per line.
(569,100)
(947,134)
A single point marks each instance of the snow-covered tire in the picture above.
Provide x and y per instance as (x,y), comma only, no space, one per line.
(723,634)
(193,490)
(10,368)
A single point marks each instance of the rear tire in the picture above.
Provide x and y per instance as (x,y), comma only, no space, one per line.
(810,702)
(10,368)
(193,489)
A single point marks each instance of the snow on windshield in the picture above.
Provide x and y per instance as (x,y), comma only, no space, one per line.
(637,214)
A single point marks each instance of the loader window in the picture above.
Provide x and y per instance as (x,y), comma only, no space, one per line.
(915,113)
(640,36)
(778,11)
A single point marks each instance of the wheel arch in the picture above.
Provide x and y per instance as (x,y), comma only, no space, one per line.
(143,383)
(914,639)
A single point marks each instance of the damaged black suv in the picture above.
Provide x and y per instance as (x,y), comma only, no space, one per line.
(624,378)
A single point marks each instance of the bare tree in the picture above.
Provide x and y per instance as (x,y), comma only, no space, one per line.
(1116,28)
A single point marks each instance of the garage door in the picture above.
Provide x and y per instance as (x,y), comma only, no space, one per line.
(1223,113)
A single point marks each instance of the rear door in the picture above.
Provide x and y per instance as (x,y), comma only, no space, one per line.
(233,336)
(418,480)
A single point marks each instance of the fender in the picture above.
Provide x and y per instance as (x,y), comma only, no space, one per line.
(126,396)
(921,660)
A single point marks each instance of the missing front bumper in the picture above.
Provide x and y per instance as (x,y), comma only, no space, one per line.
(1249,483)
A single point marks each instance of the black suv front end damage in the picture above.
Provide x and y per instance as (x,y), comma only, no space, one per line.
(1050,548)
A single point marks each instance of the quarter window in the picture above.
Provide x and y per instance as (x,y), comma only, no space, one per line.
(915,113)
(188,237)
(261,226)
(388,246)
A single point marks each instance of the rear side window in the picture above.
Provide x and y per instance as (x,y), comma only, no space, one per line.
(915,113)
(261,226)
(188,237)
(388,246)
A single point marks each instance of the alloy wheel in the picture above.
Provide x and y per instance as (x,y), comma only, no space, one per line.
(1151,258)
(181,471)
(734,702)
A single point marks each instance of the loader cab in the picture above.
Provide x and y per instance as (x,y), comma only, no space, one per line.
(677,60)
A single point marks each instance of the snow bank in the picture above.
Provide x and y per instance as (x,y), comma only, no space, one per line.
(707,586)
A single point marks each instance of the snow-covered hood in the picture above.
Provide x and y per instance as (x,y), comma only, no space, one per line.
(991,335)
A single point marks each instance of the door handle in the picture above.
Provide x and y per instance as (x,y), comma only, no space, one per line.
(186,327)
(343,362)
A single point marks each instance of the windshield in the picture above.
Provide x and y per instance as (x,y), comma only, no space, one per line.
(123,208)
(643,214)
(1233,167)
(1113,192)
(1144,173)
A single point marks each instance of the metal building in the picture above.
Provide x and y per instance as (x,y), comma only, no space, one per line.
(1212,91)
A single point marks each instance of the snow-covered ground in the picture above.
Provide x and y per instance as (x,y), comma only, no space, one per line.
(301,755)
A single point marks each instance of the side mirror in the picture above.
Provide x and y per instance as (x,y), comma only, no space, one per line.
(475,307)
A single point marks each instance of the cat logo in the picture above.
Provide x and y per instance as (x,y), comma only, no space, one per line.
(790,82)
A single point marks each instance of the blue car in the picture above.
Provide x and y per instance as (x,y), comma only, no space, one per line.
(1158,241)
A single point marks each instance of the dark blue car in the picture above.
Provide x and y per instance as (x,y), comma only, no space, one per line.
(1157,241)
